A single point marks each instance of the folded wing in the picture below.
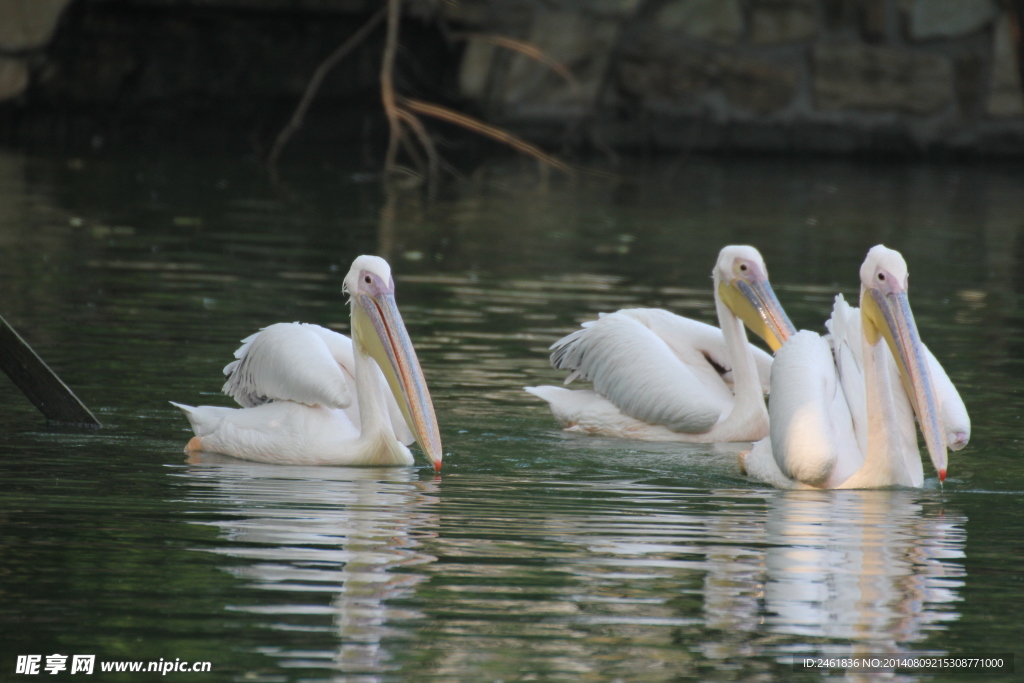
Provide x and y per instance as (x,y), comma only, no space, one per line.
(812,431)
(844,326)
(301,363)
(656,366)
(292,362)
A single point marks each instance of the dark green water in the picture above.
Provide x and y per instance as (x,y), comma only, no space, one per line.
(537,555)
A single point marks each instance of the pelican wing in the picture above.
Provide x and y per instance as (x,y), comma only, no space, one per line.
(292,362)
(699,345)
(848,350)
(654,366)
(302,363)
(812,433)
(954,413)
(848,354)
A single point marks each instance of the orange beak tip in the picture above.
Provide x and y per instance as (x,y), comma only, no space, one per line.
(437,466)
(942,475)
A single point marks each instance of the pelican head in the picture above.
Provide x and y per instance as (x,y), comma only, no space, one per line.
(741,281)
(378,331)
(885,312)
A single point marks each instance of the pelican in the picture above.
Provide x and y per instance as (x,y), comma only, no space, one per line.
(296,383)
(661,377)
(842,407)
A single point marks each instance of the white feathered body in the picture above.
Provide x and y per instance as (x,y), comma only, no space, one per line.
(308,399)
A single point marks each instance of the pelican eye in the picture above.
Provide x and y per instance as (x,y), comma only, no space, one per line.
(367,278)
(881,276)
(743,266)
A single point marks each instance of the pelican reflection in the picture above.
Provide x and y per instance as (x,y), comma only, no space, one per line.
(878,567)
(777,573)
(301,532)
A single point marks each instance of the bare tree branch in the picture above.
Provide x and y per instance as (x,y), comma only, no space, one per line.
(486,129)
(433,158)
(387,84)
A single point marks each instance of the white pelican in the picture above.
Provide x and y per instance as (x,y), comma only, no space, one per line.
(661,377)
(296,381)
(842,409)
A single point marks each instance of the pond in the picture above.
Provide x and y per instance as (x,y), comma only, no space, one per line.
(536,554)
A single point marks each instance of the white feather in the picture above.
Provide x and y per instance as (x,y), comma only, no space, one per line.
(674,385)
(812,434)
(669,377)
(303,363)
(844,326)
(291,362)
(286,433)
(659,376)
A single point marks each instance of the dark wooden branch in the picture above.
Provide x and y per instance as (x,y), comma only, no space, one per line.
(39,383)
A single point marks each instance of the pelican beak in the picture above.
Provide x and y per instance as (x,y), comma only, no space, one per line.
(750,296)
(382,333)
(888,314)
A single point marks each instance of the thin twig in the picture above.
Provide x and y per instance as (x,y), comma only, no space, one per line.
(387,83)
(386,221)
(433,158)
(414,155)
(477,126)
(317,80)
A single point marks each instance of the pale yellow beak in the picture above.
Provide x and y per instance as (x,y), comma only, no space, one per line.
(388,343)
(751,297)
(888,314)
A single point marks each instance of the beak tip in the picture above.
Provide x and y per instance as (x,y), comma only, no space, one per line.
(942,475)
(437,467)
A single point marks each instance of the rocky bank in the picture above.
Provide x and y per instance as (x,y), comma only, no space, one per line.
(904,77)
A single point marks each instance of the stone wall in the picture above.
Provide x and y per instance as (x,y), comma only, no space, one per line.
(838,76)
(25,30)
(819,75)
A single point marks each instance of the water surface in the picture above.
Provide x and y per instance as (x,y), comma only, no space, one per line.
(537,555)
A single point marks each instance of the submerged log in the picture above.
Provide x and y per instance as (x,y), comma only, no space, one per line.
(39,383)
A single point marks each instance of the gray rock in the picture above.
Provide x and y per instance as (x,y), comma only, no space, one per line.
(28,24)
(783,21)
(684,78)
(756,86)
(611,8)
(670,79)
(717,21)
(969,69)
(874,19)
(475,69)
(1004,96)
(581,43)
(334,6)
(13,78)
(854,76)
(947,18)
